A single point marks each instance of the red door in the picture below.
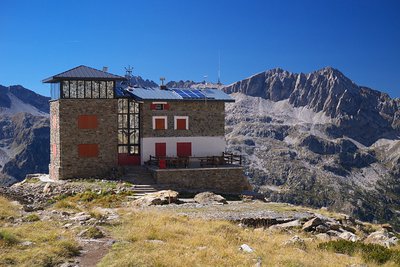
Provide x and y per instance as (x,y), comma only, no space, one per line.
(184,149)
(161,150)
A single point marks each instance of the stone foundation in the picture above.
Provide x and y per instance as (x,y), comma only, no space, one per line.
(226,180)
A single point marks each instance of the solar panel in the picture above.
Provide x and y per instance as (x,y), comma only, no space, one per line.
(189,94)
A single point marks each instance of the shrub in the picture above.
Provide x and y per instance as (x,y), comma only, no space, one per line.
(369,252)
(7,239)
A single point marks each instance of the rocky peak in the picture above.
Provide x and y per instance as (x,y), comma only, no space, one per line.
(329,91)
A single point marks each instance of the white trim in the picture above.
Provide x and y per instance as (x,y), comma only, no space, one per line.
(181,117)
(160,117)
(155,103)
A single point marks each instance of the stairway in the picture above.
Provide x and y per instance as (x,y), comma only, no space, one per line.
(138,175)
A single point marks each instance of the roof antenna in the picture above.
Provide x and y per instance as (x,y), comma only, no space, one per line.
(205,79)
(219,68)
(128,74)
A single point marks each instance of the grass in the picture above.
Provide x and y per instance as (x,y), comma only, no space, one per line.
(106,199)
(7,239)
(196,242)
(7,209)
(50,245)
(369,252)
(33,217)
(93,232)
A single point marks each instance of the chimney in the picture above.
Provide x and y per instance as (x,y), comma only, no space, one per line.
(105,69)
(162,86)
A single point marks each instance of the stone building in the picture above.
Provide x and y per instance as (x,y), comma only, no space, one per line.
(100,125)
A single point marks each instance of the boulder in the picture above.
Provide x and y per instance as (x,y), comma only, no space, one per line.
(209,198)
(288,225)
(321,228)
(348,236)
(80,217)
(382,237)
(312,224)
(163,197)
(246,248)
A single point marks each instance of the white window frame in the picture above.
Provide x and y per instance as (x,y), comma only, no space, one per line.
(160,117)
(181,117)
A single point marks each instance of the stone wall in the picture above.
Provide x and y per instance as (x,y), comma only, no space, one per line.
(228,180)
(70,165)
(206,118)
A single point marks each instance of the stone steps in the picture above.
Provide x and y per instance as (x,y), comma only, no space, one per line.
(138,175)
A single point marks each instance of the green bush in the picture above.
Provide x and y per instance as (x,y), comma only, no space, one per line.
(7,239)
(369,252)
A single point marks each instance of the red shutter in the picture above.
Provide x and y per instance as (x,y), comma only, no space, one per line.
(87,121)
(181,124)
(88,150)
(152,106)
(166,106)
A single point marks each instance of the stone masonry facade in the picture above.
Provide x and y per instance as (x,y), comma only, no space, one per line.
(66,163)
(228,180)
(201,115)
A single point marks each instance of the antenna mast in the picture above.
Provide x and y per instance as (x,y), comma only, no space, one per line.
(219,67)
(128,74)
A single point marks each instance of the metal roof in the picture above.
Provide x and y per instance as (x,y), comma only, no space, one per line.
(84,73)
(168,94)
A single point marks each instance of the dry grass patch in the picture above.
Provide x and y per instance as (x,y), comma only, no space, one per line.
(161,239)
(36,244)
(7,209)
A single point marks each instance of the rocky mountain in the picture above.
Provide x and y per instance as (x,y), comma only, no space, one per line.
(318,139)
(24,133)
(140,82)
(193,85)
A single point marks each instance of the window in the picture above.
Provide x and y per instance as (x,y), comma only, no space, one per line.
(86,89)
(181,123)
(159,122)
(128,127)
(87,122)
(159,106)
(88,150)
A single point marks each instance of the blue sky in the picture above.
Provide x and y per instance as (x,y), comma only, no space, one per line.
(182,39)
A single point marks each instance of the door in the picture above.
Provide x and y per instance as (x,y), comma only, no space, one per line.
(184,149)
(161,149)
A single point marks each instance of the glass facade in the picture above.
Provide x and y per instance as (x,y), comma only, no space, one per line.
(83,89)
(55,90)
(128,127)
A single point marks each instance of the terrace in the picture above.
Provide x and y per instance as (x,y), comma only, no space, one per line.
(224,160)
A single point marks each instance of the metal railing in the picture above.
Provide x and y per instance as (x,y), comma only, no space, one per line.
(186,162)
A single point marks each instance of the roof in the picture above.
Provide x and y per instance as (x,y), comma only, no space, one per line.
(84,73)
(170,95)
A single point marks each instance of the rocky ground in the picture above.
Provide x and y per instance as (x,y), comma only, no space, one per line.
(80,207)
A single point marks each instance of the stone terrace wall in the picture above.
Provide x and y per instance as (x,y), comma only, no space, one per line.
(228,180)
(206,118)
(105,135)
